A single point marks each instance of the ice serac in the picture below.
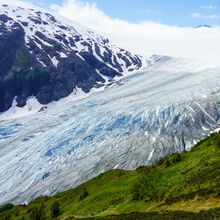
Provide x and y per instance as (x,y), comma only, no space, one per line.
(47,56)
(146,116)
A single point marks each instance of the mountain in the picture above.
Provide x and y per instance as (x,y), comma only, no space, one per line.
(182,186)
(203,26)
(48,57)
(137,119)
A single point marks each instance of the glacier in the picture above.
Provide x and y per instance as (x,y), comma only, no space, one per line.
(165,108)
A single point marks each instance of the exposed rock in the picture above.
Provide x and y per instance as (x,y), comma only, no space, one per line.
(45,57)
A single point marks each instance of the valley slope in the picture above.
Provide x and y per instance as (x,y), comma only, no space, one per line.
(137,119)
(182,186)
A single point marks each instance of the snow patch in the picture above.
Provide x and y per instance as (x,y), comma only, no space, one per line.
(77,54)
(54,61)
(116,166)
(153,139)
(215,131)
(32,106)
(151,154)
(204,128)
(63,55)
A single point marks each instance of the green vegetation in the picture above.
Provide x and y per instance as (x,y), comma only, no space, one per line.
(1,90)
(6,207)
(182,186)
(1,84)
(55,209)
(25,80)
(22,58)
(21,79)
(4,58)
(40,78)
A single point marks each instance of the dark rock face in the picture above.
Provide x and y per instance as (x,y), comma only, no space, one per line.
(51,67)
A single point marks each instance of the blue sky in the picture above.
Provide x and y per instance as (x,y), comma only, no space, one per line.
(146,27)
(171,12)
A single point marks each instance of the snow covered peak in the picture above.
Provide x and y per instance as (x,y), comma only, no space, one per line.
(34,20)
(204,26)
(68,54)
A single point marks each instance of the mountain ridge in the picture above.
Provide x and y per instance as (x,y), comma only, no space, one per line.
(44,56)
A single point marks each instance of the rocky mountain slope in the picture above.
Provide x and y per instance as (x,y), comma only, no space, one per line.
(182,186)
(47,56)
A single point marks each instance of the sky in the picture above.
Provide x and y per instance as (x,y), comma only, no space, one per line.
(170,12)
(146,27)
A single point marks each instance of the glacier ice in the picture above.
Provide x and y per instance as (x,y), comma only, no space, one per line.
(163,109)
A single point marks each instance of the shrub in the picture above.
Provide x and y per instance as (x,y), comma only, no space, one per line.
(176,158)
(218,142)
(138,188)
(55,210)
(100,175)
(160,162)
(120,173)
(6,207)
(167,163)
(40,78)
(84,194)
(208,143)
(146,185)
(140,167)
(36,214)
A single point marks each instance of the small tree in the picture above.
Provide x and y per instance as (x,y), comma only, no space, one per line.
(6,207)
(84,194)
(138,188)
(176,158)
(218,142)
(36,214)
(55,209)
(208,143)
(167,163)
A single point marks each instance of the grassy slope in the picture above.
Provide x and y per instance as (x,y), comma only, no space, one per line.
(177,185)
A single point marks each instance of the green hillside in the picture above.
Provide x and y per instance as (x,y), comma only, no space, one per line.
(182,186)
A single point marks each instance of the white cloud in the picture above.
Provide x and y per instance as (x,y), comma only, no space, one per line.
(196,15)
(202,16)
(208,7)
(145,38)
(213,16)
